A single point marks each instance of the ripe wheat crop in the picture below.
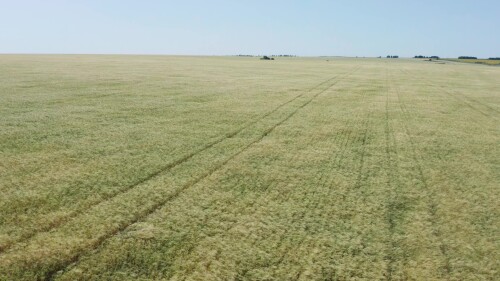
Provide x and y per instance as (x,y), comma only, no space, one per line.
(230,168)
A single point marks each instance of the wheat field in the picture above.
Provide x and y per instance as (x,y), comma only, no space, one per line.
(229,168)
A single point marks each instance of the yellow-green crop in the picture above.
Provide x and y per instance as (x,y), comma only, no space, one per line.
(226,168)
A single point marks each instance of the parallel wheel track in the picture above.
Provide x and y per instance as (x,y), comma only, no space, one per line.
(432,203)
(167,167)
(51,274)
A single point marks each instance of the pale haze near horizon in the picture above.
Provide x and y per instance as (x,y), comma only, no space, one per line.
(305,28)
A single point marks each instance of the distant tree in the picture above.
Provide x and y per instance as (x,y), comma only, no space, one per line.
(494,58)
(424,57)
(467,58)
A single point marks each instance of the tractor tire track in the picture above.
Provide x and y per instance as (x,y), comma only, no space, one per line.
(348,138)
(337,163)
(441,90)
(310,205)
(95,246)
(467,101)
(390,178)
(169,166)
(243,272)
(482,103)
(340,157)
(395,189)
(431,201)
(344,137)
(300,216)
(359,178)
(357,185)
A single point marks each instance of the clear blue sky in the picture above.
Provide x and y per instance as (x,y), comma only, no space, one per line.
(350,28)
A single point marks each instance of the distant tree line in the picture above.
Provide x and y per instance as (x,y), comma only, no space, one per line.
(475,58)
(392,57)
(286,56)
(424,57)
(289,56)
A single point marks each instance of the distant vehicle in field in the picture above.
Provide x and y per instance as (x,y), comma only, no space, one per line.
(266,58)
